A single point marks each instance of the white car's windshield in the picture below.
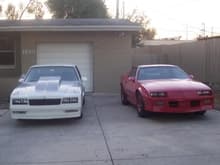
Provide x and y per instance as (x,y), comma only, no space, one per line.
(65,73)
(161,72)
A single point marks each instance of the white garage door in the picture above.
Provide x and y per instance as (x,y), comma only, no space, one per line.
(68,53)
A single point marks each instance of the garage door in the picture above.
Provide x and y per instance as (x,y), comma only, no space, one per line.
(67,53)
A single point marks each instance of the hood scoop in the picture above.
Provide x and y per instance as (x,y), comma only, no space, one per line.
(50,84)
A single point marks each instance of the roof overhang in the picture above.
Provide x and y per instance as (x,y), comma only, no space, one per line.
(69,25)
(69,28)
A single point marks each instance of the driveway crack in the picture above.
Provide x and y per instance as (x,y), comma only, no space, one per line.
(103,133)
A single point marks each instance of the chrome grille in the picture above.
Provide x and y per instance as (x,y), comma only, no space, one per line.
(44,101)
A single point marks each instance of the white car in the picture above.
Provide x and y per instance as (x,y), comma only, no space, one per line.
(48,92)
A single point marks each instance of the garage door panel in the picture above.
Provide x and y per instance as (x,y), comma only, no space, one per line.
(68,53)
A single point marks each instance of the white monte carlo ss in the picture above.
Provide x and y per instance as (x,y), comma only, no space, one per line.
(48,92)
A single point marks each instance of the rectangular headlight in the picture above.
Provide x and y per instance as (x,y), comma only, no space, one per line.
(158,94)
(204,92)
(69,100)
(20,101)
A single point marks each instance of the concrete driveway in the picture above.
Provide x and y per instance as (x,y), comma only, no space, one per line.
(110,134)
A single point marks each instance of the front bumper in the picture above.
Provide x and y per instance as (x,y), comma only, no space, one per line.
(184,105)
(46,111)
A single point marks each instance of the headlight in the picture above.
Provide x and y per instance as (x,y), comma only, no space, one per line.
(69,100)
(204,92)
(69,89)
(20,101)
(158,94)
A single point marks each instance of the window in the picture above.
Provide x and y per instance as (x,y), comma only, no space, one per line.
(7,53)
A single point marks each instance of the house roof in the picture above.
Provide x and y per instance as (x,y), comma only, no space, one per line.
(69,25)
(164,42)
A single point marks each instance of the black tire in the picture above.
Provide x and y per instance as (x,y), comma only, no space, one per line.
(140,107)
(84,101)
(124,99)
(201,113)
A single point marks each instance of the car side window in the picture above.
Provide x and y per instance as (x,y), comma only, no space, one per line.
(133,72)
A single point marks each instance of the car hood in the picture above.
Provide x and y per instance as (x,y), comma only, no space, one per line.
(47,88)
(173,86)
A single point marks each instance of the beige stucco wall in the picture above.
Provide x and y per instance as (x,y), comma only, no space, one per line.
(7,85)
(113,56)
(112,53)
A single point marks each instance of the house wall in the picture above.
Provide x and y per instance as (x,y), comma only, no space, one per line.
(112,55)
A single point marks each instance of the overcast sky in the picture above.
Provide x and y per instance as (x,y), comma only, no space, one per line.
(176,17)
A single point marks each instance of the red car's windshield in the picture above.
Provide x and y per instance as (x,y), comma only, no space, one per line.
(161,72)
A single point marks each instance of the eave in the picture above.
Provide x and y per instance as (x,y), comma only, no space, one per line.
(69,28)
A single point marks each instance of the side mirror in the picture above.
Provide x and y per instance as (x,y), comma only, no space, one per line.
(131,79)
(191,76)
(21,79)
(84,79)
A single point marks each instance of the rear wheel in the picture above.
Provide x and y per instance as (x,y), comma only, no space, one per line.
(124,99)
(140,106)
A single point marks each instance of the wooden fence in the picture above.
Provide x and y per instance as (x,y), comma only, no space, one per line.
(200,58)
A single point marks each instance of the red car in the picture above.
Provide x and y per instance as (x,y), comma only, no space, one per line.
(164,88)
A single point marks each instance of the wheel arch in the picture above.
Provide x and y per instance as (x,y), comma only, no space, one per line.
(139,91)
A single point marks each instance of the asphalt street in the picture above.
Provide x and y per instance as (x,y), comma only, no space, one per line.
(111,134)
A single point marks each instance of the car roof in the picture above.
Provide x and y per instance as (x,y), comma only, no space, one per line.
(48,65)
(155,65)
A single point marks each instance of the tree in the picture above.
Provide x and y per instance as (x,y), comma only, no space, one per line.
(35,7)
(11,12)
(77,8)
(146,32)
(32,7)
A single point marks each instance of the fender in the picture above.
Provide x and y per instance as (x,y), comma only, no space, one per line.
(141,90)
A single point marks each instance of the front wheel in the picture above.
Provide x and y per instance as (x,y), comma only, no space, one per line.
(140,107)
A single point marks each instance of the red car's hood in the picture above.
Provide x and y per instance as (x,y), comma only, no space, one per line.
(173,85)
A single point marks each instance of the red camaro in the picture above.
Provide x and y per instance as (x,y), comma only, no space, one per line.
(164,88)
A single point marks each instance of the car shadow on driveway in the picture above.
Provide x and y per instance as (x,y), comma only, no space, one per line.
(177,118)
(50,122)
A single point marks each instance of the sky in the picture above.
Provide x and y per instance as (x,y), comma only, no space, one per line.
(171,18)
(17,3)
